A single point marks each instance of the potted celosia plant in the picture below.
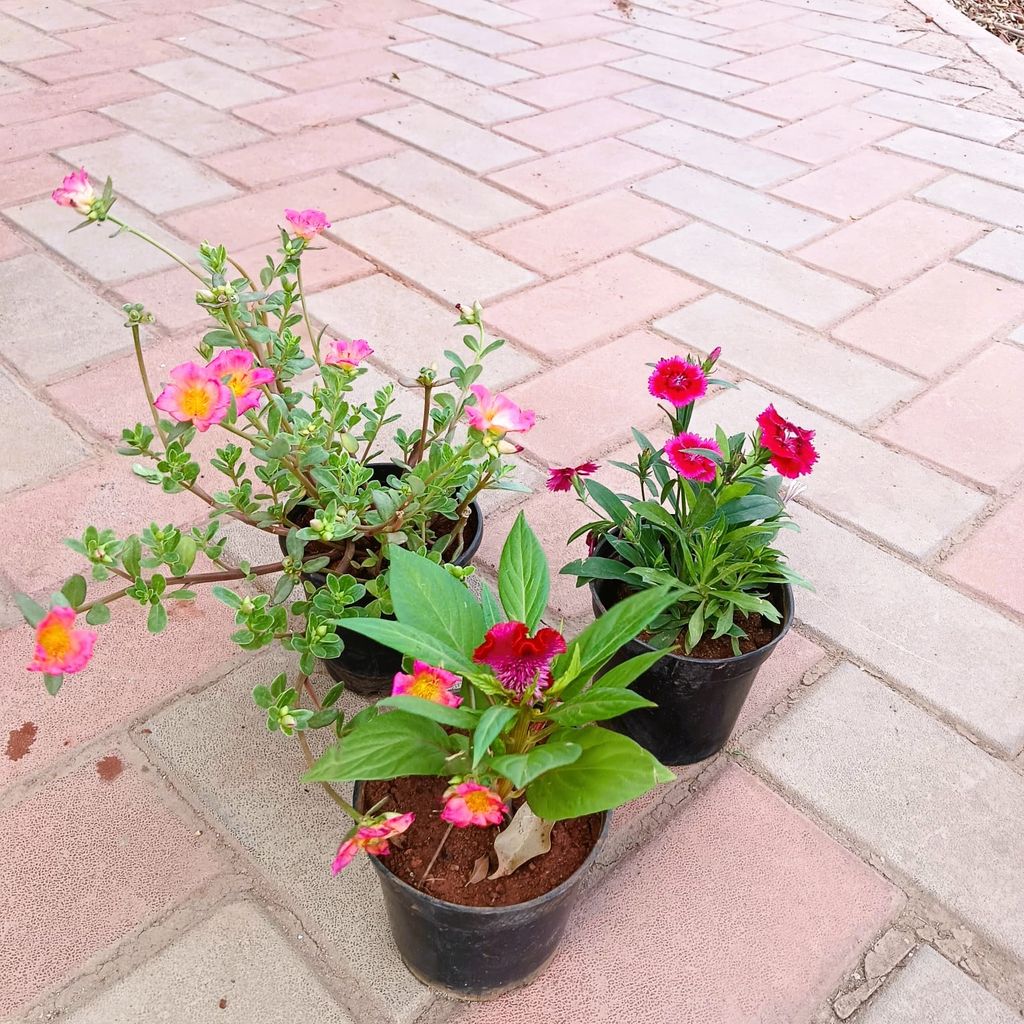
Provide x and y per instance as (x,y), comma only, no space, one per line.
(299,460)
(705,518)
(487,756)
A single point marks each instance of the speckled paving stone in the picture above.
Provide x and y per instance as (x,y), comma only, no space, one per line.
(381,310)
(77,892)
(38,445)
(38,346)
(742,911)
(233,968)
(929,989)
(895,619)
(209,82)
(935,807)
(474,102)
(250,787)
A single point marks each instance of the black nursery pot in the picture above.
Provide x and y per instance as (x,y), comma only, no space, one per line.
(478,953)
(365,666)
(698,700)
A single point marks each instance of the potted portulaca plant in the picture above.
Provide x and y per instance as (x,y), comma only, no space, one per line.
(300,460)
(706,516)
(487,756)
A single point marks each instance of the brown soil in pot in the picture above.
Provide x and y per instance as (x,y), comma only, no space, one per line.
(571,842)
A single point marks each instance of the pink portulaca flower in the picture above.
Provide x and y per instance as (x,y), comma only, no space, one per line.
(518,659)
(790,448)
(234,368)
(428,683)
(347,354)
(469,803)
(497,415)
(194,394)
(373,838)
(60,648)
(677,381)
(688,464)
(75,191)
(307,224)
(565,479)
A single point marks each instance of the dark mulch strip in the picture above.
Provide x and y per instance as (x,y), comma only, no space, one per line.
(1003,18)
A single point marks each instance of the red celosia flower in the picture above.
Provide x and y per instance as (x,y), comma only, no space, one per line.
(518,658)
(790,448)
(677,381)
(563,479)
(691,465)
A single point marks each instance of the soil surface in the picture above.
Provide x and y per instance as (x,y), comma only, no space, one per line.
(571,842)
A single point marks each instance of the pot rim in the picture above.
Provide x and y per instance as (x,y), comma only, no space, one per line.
(735,659)
(486,912)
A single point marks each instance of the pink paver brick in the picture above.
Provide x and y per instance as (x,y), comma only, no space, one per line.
(135,26)
(30,178)
(936,319)
(254,218)
(317,74)
(992,560)
(337,16)
(578,415)
(11,243)
(562,30)
(23,140)
(563,177)
(757,915)
(66,97)
(78,892)
(968,421)
(104,59)
(317,149)
(892,243)
(573,87)
(766,37)
(780,65)
(591,305)
(782,672)
(748,15)
(823,137)
(575,125)
(858,183)
(321,106)
(566,239)
(339,42)
(801,97)
(552,60)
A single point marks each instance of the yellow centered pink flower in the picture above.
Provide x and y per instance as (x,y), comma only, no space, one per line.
(234,369)
(194,394)
(347,354)
(428,683)
(497,415)
(469,803)
(307,224)
(371,836)
(60,648)
(75,191)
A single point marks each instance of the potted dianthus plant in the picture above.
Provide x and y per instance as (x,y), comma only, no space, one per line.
(301,459)
(485,781)
(705,518)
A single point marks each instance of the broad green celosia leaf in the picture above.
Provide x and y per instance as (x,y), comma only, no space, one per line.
(523,575)
(522,769)
(611,771)
(458,718)
(491,723)
(410,640)
(597,705)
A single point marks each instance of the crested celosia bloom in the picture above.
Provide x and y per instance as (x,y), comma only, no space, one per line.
(564,479)
(789,446)
(428,683)
(497,415)
(307,224)
(347,354)
(677,381)
(194,394)
(518,659)
(60,648)
(75,191)
(234,368)
(469,803)
(690,464)
(373,838)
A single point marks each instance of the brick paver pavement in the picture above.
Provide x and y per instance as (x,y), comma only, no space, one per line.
(831,190)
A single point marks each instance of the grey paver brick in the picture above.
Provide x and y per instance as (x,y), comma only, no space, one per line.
(880,53)
(912,83)
(1001,251)
(933,805)
(999,165)
(210,82)
(467,99)
(702,111)
(477,37)
(686,76)
(977,198)
(462,62)
(971,124)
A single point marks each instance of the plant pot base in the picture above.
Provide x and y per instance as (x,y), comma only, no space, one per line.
(483,997)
